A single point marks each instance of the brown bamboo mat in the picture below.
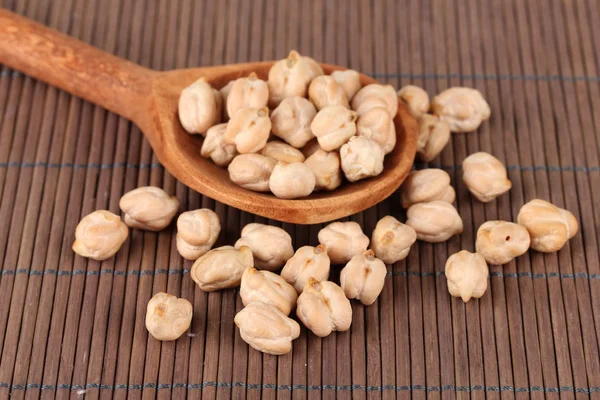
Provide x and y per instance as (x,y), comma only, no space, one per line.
(71,327)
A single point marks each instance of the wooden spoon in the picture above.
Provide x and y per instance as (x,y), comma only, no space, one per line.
(149,99)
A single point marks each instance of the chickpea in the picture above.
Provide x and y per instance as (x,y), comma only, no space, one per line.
(214,148)
(549,227)
(426,185)
(363,278)
(266,329)
(224,92)
(149,208)
(314,66)
(485,176)
(369,103)
(270,245)
(307,262)
(248,129)
(387,93)
(415,98)
(361,158)
(291,121)
(349,80)
(99,235)
(374,124)
(343,241)
(324,91)
(333,126)
(391,240)
(221,268)
(499,241)
(282,152)
(168,317)
(200,107)
(290,77)
(326,168)
(434,135)
(463,109)
(249,92)
(435,221)
(197,232)
(311,148)
(390,142)
(292,181)
(252,171)
(324,308)
(268,288)
(467,275)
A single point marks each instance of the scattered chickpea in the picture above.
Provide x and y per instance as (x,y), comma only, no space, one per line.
(363,278)
(500,241)
(292,181)
(426,185)
(435,221)
(391,240)
(268,288)
(252,171)
(307,262)
(99,235)
(266,329)
(221,268)
(249,92)
(149,208)
(549,227)
(324,91)
(200,107)
(349,80)
(290,77)
(434,135)
(343,241)
(168,317)
(326,168)
(248,129)
(291,121)
(485,176)
(467,275)
(324,308)
(361,158)
(197,232)
(270,245)
(463,109)
(333,126)
(415,98)
(387,93)
(214,148)
(280,151)
(375,124)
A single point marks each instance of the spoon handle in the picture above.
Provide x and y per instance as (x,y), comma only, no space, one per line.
(78,68)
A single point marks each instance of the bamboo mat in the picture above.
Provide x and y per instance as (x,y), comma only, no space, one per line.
(71,327)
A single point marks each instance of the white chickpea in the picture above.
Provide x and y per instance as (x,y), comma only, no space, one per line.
(387,93)
(252,171)
(280,151)
(363,278)
(197,232)
(248,129)
(390,142)
(324,91)
(168,317)
(485,176)
(467,275)
(349,80)
(266,329)
(249,92)
(200,107)
(324,308)
(99,235)
(343,241)
(463,109)
(361,158)
(434,222)
(221,268)
(149,208)
(499,241)
(326,168)
(374,124)
(270,245)
(426,185)
(333,126)
(290,77)
(549,227)
(415,98)
(214,148)
(268,288)
(434,135)
(314,66)
(391,240)
(292,181)
(291,121)
(307,262)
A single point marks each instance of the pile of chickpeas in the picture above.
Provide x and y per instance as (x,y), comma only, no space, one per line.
(302,284)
